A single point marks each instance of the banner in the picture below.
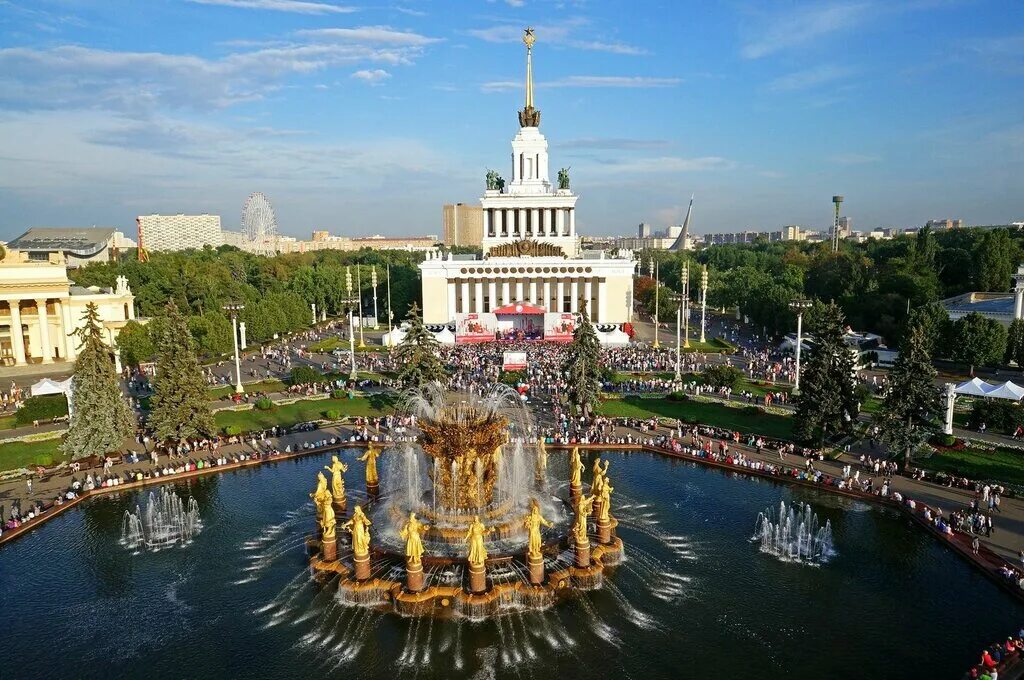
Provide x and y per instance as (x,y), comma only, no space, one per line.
(558,327)
(475,328)
(513,361)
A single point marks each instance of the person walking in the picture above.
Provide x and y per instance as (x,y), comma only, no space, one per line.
(28,482)
(975,543)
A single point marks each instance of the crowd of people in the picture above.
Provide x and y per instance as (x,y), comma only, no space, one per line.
(997,656)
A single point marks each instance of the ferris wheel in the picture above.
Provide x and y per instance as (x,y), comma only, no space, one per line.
(259,224)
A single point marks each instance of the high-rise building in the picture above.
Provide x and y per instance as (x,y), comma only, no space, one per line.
(179,232)
(845,227)
(946,223)
(644,230)
(463,225)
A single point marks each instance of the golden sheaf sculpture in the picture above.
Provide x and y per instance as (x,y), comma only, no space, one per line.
(526,247)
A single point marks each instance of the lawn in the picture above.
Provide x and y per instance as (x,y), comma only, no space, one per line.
(15,455)
(268,386)
(303,411)
(718,415)
(713,346)
(743,385)
(1002,465)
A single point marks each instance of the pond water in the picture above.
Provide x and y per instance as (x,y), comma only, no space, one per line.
(695,597)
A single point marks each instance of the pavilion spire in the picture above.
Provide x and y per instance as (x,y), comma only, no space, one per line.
(529,116)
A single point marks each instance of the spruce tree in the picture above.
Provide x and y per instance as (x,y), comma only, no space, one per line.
(827,404)
(180,403)
(912,401)
(100,417)
(582,369)
(1015,343)
(419,353)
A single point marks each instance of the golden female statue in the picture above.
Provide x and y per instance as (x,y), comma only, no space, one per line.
(359,526)
(533,523)
(595,486)
(606,500)
(475,541)
(320,496)
(327,521)
(542,457)
(583,508)
(337,480)
(411,533)
(370,458)
(575,468)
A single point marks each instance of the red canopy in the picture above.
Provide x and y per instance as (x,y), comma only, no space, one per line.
(520,308)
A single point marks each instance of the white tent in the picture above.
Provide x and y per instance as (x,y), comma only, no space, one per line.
(614,338)
(445,336)
(1007,390)
(47,386)
(393,338)
(975,387)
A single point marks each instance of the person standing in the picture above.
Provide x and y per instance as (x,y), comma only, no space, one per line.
(28,482)
(975,543)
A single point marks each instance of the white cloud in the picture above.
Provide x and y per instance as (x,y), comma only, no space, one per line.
(809,78)
(663,164)
(585,81)
(612,143)
(372,34)
(294,6)
(371,76)
(854,158)
(771,33)
(411,12)
(561,33)
(515,3)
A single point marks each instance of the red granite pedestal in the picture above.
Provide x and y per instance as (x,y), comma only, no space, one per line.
(329,549)
(583,554)
(477,578)
(362,565)
(536,564)
(413,577)
(604,531)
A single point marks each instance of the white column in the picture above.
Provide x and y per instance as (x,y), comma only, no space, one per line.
(574,293)
(506,296)
(547,222)
(947,427)
(241,332)
(44,332)
(464,302)
(533,291)
(1018,302)
(522,223)
(70,341)
(535,219)
(560,292)
(572,222)
(498,221)
(17,339)
(519,290)
(602,294)
(587,291)
(479,297)
(492,294)
(487,223)
(451,300)
(547,295)
(559,221)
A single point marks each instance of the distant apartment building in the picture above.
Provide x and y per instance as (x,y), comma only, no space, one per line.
(179,232)
(78,246)
(646,239)
(644,230)
(945,223)
(324,240)
(462,225)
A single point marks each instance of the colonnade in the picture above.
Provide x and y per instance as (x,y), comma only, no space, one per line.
(25,314)
(529,222)
(572,294)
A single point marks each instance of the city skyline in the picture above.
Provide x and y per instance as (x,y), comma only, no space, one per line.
(367,120)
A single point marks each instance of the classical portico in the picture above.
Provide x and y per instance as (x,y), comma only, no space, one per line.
(531,251)
(40,309)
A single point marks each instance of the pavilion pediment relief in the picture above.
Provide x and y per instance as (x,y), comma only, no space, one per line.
(526,248)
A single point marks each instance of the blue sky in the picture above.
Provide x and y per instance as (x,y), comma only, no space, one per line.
(363,118)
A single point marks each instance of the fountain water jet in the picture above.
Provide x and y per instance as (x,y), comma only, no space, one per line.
(166,521)
(795,533)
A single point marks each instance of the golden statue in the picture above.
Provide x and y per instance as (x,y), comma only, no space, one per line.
(583,508)
(359,526)
(575,468)
(475,541)
(321,496)
(533,523)
(606,500)
(327,521)
(411,533)
(595,486)
(337,480)
(370,458)
(542,457)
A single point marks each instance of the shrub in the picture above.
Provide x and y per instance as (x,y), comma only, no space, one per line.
(753,410)
(513,378)
(997,414)
(332,414)
(338,394)
(722,376)
(41,408)
(264,404)
(232,430)
(304,375)
(678,396)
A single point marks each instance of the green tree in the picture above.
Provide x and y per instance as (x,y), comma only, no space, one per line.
(827,404)
(419,354)
(134,344)
(994,257)
(582,368)
(977,340)
(935,326)
(1015,343)
(912,401)
(100,417)
(180,404)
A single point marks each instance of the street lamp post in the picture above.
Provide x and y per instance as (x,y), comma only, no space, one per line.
(798,306)
(703,300)
(359,278)
(686,305)
(352,346)
(373,282)
(657,285)
(312,306)
(391,316)
(235,308)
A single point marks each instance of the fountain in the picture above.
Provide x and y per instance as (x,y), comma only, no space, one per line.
(795,534)
(167,521)
(463,521)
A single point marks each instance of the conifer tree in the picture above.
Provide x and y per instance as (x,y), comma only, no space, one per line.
(100,417)
(1015,343)
(827,404)
(180,403)
(419,353)
(912,401)
(582,369)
